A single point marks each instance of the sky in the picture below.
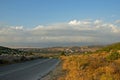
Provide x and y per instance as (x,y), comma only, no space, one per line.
(48,23)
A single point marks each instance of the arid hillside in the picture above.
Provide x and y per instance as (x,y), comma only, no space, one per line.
(103,64)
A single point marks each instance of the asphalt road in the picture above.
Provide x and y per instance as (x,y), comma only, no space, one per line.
(30,70)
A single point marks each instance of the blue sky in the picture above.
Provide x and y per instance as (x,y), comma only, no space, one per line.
(30,13)
(45,23)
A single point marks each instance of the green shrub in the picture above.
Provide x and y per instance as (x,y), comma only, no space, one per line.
(16,60)
(2,61)
(113,56)
(23,58)
(63,53)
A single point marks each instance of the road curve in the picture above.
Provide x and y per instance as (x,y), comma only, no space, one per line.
(30,70)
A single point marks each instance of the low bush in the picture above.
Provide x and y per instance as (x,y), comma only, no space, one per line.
(2,61)
(113,56)
(23,58)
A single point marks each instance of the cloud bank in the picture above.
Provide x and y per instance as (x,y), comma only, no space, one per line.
(74,32)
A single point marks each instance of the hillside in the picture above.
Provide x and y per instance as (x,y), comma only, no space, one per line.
(111,47)
(102,65)
(9,51)
(9,56)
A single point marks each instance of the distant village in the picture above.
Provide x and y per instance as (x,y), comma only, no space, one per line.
(69,50)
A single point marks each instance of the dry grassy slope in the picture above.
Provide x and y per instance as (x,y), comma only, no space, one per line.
(103,65)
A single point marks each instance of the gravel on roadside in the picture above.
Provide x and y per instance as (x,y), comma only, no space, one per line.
(54,74)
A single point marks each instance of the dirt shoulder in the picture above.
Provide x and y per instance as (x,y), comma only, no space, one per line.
(55,74)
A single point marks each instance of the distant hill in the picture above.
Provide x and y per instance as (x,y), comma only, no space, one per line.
(70,49)
(6,50)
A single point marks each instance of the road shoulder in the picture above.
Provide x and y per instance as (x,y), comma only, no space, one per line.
(54,74)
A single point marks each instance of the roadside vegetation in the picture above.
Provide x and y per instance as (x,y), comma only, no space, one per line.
(103,64)
(10,56)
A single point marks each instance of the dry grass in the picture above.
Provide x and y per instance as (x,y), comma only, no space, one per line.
(90,67)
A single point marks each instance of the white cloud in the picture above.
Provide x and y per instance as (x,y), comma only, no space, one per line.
(114,28)
(86,23)
(117,21)
(97,22)
(75,31)
(38,27)
(74,22)
(18,27)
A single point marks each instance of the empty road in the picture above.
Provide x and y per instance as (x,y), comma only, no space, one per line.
(30,70)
